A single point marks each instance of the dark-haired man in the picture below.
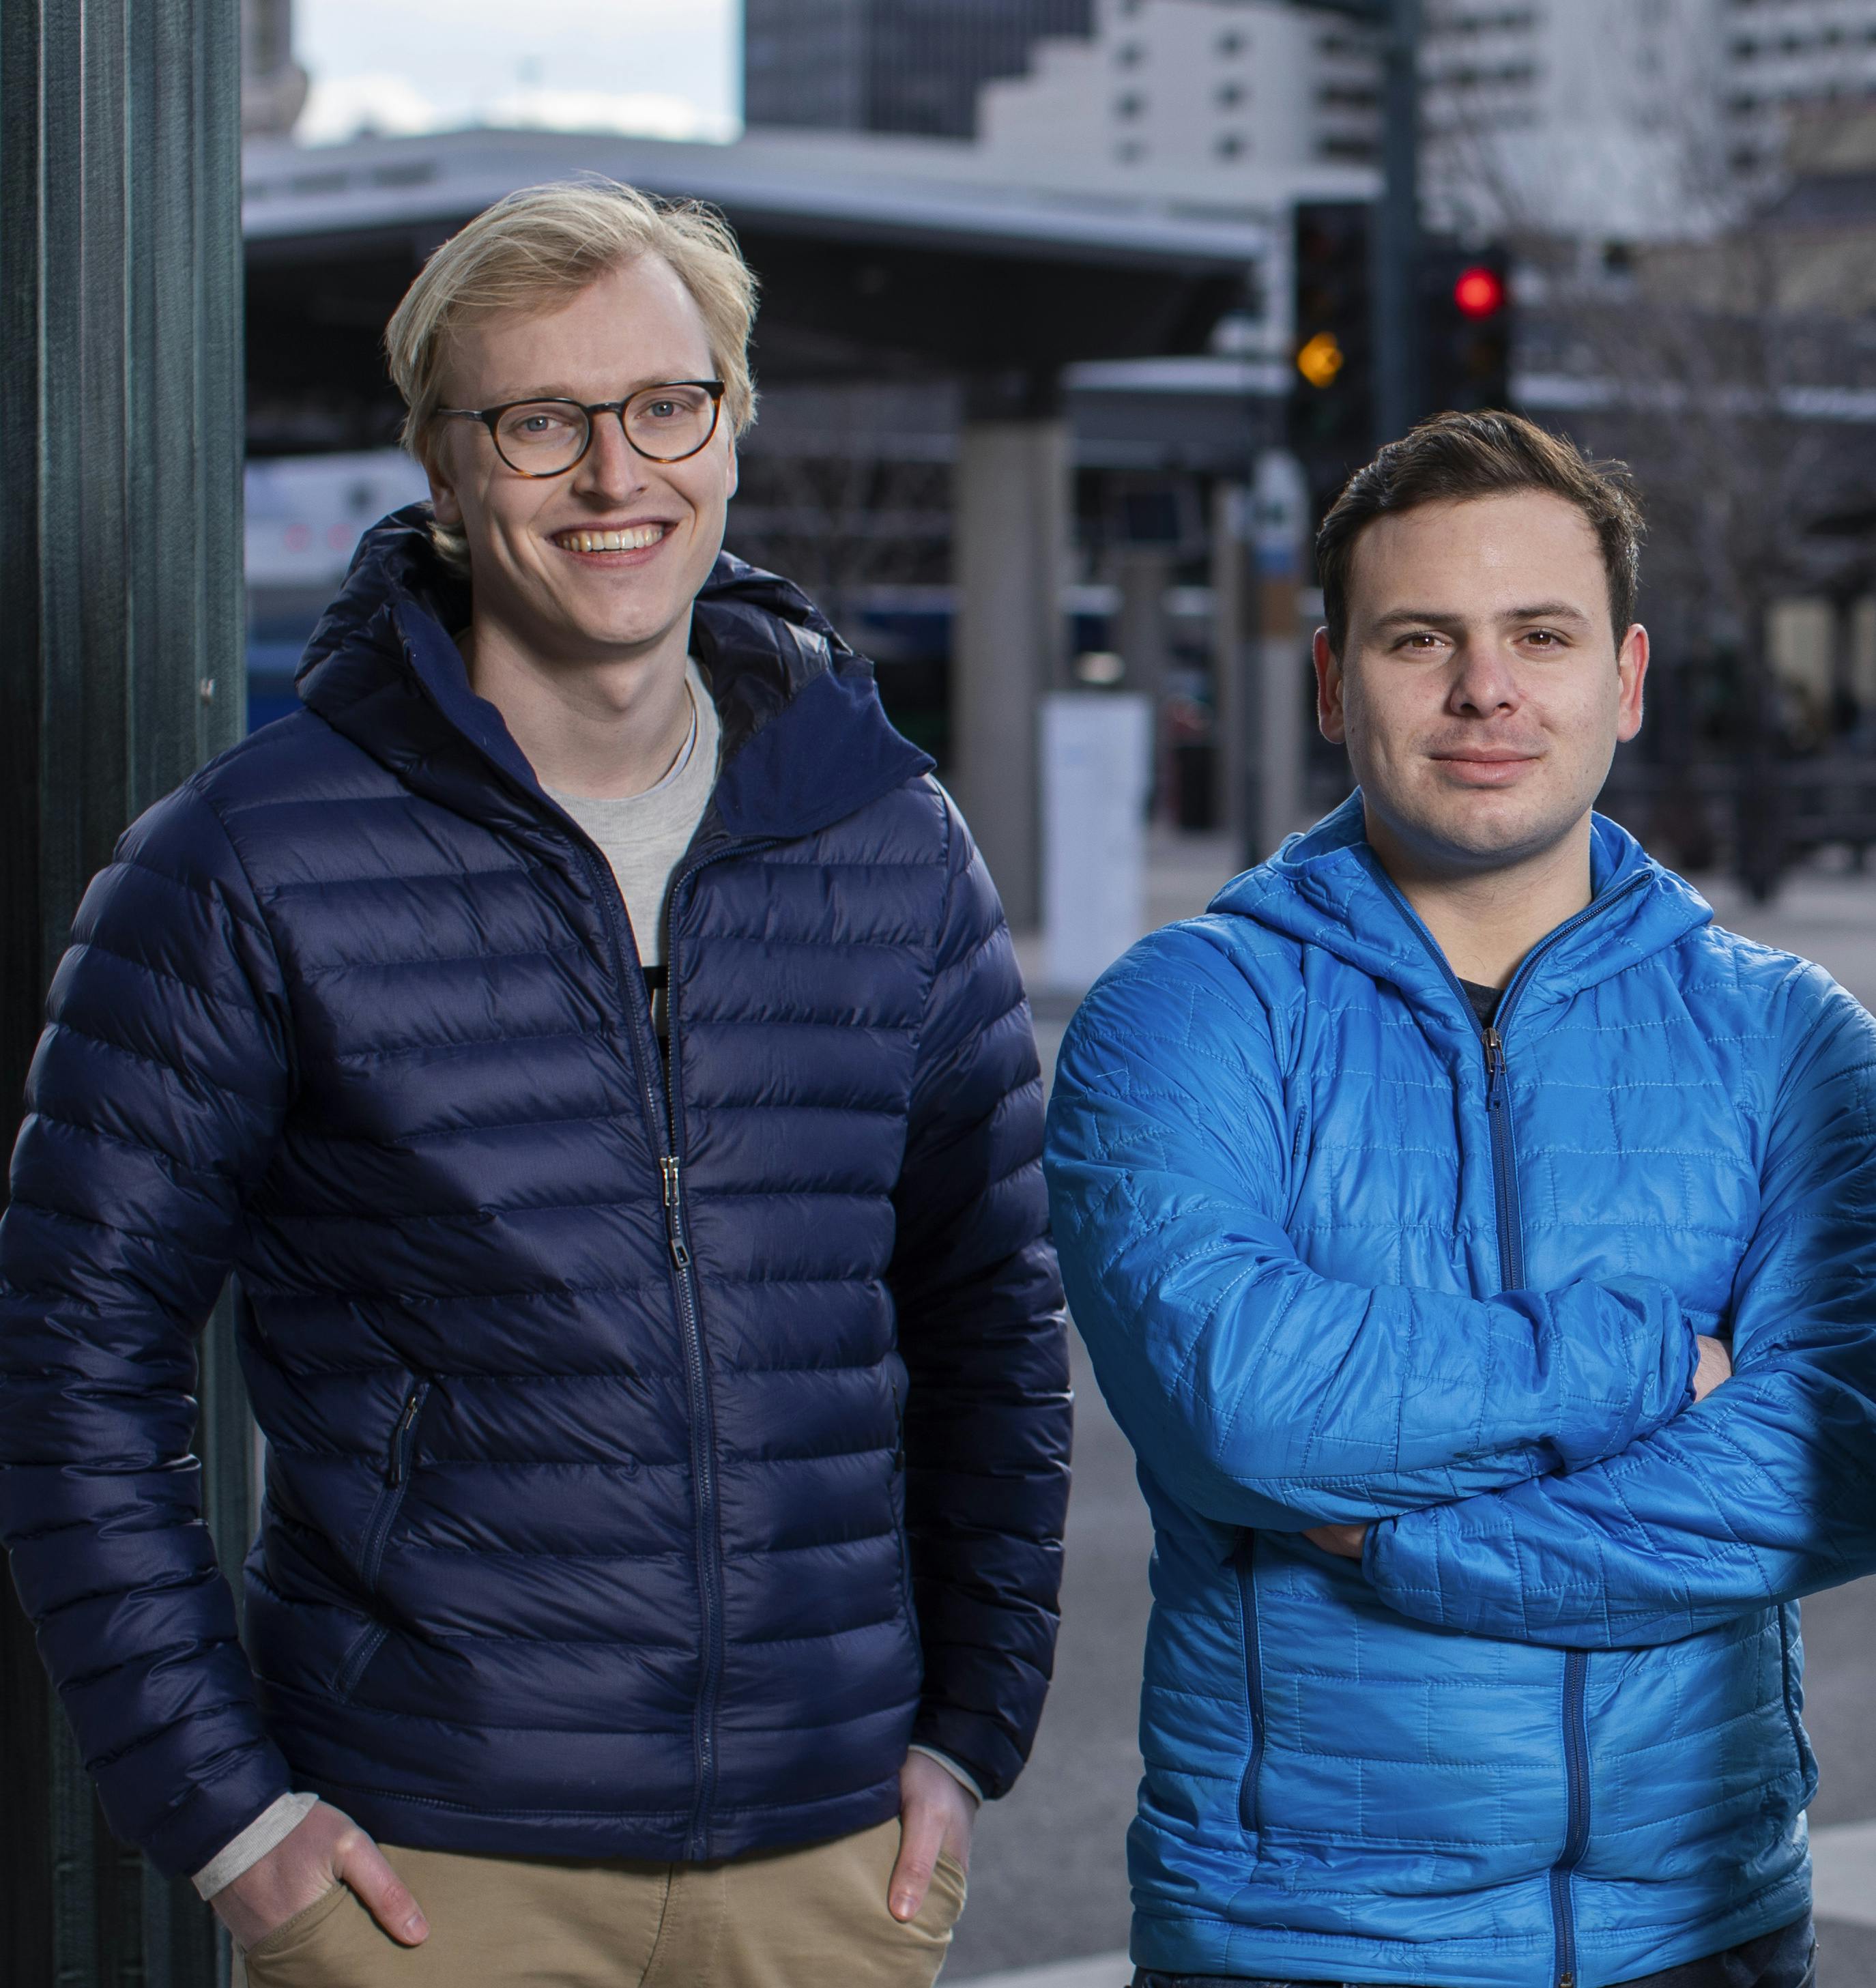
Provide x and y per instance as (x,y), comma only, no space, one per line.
(1477,1245)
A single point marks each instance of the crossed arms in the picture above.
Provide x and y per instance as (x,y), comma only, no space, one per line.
(1533,1466)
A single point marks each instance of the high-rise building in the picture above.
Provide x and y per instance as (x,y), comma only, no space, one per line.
(1580,118)
(912,66)
(1788,56)
(1220,90)
(273,86)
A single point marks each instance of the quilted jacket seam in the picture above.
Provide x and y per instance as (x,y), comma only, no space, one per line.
(175,1167)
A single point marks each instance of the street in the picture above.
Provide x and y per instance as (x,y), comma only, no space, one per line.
(1048,1880)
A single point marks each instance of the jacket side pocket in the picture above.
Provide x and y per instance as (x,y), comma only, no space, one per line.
(399,1456)
(1241,1562)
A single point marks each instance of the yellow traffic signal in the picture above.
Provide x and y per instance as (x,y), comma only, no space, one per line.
(1322,360)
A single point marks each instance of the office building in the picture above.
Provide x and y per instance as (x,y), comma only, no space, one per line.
(1784,57)
(1216,89)
(273,86)
(909,65)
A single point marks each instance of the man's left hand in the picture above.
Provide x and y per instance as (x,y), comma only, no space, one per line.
(935,1813)
(1347,1541)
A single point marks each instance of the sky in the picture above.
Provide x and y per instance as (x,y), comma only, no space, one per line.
(666,68)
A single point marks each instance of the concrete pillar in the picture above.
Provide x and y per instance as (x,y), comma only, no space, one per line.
(1012,511)
(1143,575)
(1233,680)
(120,565)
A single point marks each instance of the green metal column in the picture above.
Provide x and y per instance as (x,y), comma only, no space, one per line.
(120,670)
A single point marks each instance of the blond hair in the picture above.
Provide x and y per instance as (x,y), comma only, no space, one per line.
(544,245)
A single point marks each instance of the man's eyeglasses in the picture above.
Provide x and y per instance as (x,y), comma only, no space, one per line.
(663,423)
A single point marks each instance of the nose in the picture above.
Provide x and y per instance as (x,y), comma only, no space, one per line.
(611,470)
(1484,684)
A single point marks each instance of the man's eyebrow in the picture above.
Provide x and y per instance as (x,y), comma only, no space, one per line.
(1547,610)
(1421,617)
(567,393)
(1453,618)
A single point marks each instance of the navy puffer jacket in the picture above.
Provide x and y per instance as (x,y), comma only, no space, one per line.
(647,1464)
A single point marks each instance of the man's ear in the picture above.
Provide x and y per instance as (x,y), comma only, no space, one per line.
(1631,663)
(736,471)
(1331,714)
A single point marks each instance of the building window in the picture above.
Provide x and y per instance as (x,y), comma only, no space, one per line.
(1229,93)
(1231,45)
(1131,105)
(1230,146)
(1129,55)
(1131,152)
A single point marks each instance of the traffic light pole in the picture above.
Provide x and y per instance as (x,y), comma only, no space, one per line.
(1399,374)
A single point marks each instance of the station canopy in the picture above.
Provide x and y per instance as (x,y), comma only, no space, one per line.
(879,258)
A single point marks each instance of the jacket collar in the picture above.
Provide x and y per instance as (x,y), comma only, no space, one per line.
(1326,887)
(806,740)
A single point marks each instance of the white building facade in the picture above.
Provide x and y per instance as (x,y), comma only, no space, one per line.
(1218,91)
(1609,119)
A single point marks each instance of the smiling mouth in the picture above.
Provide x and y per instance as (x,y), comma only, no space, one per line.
(626,539)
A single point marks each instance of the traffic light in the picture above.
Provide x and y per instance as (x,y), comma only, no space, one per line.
(1465,324)
(1331,426)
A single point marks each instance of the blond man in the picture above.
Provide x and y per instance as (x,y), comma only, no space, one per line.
(587,1031)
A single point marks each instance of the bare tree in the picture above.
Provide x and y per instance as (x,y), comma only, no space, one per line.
(1734,370)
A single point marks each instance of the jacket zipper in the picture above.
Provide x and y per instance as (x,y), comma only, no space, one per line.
(397,1471)
(1510,1220)
(662,1121)
(377,1535)
(1253,1683)
(1577,1832)
(703,1418)
(664,1118)
(1504,1165)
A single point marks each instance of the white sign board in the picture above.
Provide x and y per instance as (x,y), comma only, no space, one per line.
(306,514)
(1096,755)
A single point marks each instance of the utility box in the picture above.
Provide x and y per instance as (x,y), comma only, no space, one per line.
(1097,767)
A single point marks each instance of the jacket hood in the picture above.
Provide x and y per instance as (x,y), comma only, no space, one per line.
(806,740)
(1326,887)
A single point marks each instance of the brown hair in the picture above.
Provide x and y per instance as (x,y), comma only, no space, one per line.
(1453,457)
(542,246)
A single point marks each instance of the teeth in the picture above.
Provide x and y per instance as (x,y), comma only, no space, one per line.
(633,539)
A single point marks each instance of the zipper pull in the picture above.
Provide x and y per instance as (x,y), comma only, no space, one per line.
(1495,1062)
(406,1422)
(670,1167)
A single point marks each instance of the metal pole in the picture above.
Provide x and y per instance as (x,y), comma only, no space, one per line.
(1399,376)
(120,440)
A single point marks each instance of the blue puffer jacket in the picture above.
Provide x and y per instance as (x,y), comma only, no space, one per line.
(1340,1257)
(613,1432)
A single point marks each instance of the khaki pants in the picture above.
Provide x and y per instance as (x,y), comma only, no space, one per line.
(784,1918)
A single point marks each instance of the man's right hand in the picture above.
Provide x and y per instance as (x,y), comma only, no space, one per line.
(327,1848)
(1714,1366)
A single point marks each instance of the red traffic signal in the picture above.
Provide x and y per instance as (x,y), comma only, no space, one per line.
(1479,293)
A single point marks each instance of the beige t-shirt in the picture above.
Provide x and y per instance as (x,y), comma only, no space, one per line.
(644,836)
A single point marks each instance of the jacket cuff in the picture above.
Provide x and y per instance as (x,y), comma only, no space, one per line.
(188,1836)
(964,1781)
(267,1831)
(1402,1559)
